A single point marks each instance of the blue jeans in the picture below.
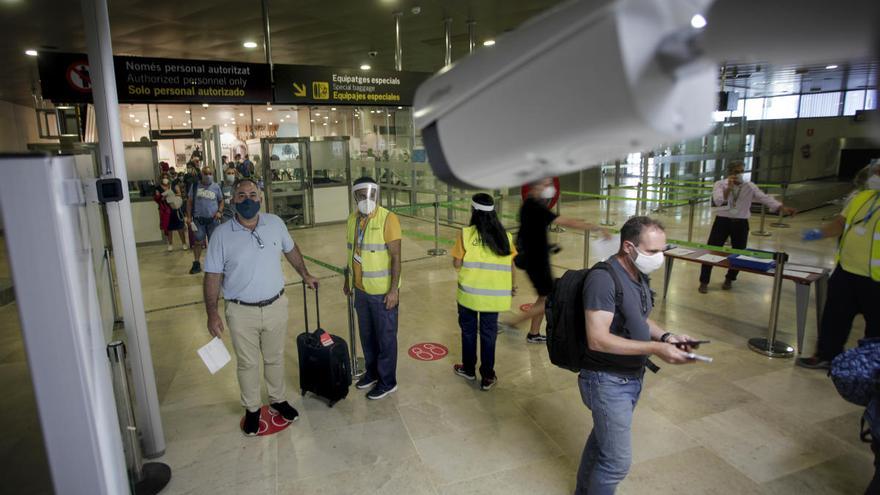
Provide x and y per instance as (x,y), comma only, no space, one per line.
(608,453)
(378,329)
(488,324)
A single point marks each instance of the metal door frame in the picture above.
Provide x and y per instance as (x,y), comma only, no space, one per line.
(305,152)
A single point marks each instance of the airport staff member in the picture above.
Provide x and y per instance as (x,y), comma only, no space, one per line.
(483,255)
(734,196)
(535,218)
(620,339)
(204,209)
(374,240)
(854,287)
(244,257)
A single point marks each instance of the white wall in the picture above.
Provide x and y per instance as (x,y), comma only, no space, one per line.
(18,127)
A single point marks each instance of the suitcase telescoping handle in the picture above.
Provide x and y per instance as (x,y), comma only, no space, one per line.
(306,307)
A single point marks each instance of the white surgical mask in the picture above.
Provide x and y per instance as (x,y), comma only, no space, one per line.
(738,178)
(873,182)
(366,206)
(549,192)
(230,178)
(647,263)
(165,181)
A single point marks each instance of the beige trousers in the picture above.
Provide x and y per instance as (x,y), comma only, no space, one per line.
(259,334)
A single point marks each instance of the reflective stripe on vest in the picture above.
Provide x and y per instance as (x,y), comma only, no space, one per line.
(484,281)
(375,258)
(855,207)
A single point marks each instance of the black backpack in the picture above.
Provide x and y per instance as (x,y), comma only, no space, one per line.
(564,311)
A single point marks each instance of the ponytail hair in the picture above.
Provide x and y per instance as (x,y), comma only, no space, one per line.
(492,233)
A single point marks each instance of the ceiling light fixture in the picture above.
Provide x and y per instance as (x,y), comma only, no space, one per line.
(312,120)
(31,53)
(203,118)
(268,109)
(171,116)
(488,42)
(249,44)
(259,120)
(186,111)
(204,105)
(281,120)
(241,115)
(287,116)
(698,21)
(271,123)
(137,121)
(831,67)
(365,67)
(334,109)
(400,108)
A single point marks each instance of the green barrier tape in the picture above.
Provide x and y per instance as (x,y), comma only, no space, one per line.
(624,198)
(664,185)
(328,266)
(426,237)
(661,191)
(711,184)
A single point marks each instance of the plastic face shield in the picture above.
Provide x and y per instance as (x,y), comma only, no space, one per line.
(365,191)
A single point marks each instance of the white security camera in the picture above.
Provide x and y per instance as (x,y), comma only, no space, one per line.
(574,87)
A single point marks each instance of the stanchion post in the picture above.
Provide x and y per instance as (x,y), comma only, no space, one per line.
(607,222)
(769,346)
(779,223)
(692,207)
(357,368)
(638,198)
(149,478)
(437,250)
(587,248)
(761,232)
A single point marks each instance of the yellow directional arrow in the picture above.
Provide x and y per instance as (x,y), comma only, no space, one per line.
(299,90)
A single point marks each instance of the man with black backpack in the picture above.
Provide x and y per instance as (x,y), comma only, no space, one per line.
(619,338)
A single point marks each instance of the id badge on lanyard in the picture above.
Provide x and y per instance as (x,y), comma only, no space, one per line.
(358,247)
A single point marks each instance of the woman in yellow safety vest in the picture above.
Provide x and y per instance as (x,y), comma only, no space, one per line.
(483,255)
(854,287)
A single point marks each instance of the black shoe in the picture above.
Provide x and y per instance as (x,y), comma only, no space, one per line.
(380,392)
(536,338)
(487,383)
(459,370)
(285,410)
(196,268)
(365,382)
(251,423)
(704,288)
(727,285)
(813,363)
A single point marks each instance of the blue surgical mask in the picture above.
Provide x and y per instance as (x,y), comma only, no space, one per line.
(247,208)
(207,179)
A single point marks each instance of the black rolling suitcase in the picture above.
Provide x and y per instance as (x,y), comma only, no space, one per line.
(324,363)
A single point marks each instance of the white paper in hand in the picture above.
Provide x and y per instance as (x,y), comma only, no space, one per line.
(602,248)
(215,355)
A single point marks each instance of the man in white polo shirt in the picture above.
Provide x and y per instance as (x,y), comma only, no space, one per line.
(733,199)
(244,256)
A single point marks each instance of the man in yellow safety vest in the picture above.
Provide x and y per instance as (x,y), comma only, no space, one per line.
(854,287)
(374,239)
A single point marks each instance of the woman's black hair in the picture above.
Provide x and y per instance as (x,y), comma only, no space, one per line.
(492,233)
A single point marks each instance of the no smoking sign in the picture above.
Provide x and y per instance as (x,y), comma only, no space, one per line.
(428,351)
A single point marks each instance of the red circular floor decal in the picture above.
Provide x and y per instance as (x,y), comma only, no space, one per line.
(525,307)
(270,422)
(428,351)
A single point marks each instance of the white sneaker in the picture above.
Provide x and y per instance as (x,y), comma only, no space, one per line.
(170,248)
(184,247)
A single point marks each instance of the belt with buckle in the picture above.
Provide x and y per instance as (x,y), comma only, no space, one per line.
(258,304)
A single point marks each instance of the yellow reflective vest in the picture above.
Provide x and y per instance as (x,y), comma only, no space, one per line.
(375,259)
(861,206)
(484,281)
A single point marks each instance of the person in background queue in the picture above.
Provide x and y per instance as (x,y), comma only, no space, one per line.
(229,178)
(483,255)
(620,338)
(854,286)
(535,218)
(170,216)
(243,258)
(733,197)
(374,262)
(204,209)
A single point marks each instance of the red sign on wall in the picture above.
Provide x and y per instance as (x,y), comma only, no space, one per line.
(428,351)
(270,422)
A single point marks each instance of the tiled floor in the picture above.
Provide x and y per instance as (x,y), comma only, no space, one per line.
(743,424)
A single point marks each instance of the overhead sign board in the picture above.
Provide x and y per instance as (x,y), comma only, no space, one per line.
(309,84)
(65,78)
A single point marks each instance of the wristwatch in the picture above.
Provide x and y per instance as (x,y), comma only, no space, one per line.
(665,337)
